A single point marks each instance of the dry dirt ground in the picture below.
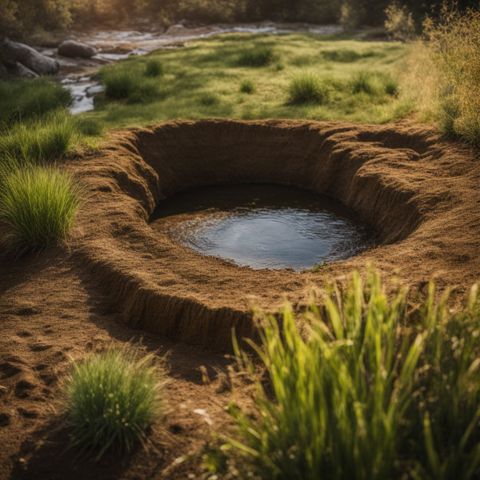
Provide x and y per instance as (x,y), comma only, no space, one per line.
(118,280)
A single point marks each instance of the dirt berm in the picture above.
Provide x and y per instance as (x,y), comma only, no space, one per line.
(418,191)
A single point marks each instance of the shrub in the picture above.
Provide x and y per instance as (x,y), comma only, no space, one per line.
(258,56)
(364,391)
(42,140)
(112,398)
(399,22)
(247,86)
(22,100)
(307,88)
(37,207)
(153,68)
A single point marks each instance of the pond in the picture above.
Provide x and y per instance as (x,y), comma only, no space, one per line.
(263,226)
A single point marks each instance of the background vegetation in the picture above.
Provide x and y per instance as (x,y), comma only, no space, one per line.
(19,17)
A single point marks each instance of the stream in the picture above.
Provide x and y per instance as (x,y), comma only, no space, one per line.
(77,75)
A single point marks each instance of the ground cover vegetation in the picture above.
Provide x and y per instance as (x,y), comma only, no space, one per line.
(365,387)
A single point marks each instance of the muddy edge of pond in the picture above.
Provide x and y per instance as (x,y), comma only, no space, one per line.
(419,191)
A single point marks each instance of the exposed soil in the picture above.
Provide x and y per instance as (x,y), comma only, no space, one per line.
(118,279)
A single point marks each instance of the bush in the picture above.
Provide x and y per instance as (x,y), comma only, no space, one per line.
(43,140)
(364,391)
(112,398)
(37,207)
(399,23)
(153,68)
(22,100)
(247,86)
(258,56)
(307,88)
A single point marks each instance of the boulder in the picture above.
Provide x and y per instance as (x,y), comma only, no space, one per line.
(22,71)
(15,52)
(72,48)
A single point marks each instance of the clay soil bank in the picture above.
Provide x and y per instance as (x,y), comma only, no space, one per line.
(119,280)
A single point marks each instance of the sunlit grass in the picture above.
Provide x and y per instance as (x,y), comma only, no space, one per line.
(112,399)
(209,68)
(363,388)
(37,206)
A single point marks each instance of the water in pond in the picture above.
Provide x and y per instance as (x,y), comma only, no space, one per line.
(262,226)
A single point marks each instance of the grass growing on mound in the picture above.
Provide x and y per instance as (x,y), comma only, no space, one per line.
(153,68)
(25,99)
(365,390)
(247,86)
(112,398)
(37,206)
(307,88)
(373,83)
(42,140)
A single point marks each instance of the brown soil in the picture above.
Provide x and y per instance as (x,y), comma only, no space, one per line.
(118,278)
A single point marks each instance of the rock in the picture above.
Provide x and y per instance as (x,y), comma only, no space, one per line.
(14,52)
(72,48)
(20,70)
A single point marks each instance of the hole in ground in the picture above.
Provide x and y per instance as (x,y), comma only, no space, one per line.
(263,226)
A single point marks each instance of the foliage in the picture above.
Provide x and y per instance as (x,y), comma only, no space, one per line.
(26,99)
(454,43)
(37,206)
(112,398)
(47,139)
(399,22)
(358,389)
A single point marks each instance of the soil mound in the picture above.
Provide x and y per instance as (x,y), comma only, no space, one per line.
(418,191)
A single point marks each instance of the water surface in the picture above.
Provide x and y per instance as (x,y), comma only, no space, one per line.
(262,226)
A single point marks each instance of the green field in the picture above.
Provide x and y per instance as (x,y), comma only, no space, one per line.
(206,79)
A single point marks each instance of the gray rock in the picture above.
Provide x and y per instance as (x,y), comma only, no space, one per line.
(72,48)
(15,52)
(20,70)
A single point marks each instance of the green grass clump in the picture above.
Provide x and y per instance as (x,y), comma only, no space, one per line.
(247,86)
(153,68)
(258,56)
(373,83)
(124,82)
(37,206)
(112,398)
(22,100)
(42,140)
(307,88)
(364,388)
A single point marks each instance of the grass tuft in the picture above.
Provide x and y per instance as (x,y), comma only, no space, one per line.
(153,68)
(257,56)
(362,391)
(37,206)
(39,141)
(26,99)
(112,398)
(247,86)
(307,88)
